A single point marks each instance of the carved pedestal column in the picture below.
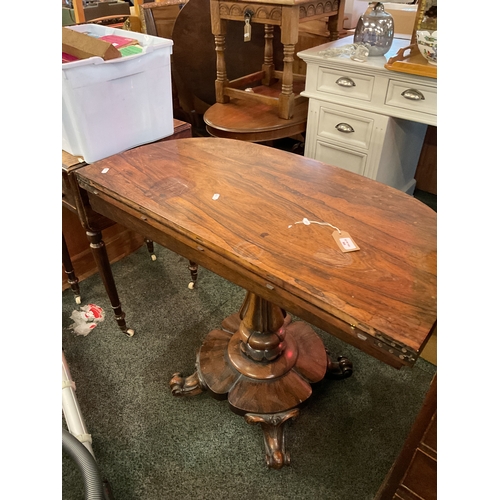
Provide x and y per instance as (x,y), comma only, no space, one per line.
(264,369)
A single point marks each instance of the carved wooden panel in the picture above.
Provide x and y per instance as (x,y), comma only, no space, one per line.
(235,11)
(272,14)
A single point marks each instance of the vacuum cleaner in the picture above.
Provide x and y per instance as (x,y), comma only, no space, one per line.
(77,442)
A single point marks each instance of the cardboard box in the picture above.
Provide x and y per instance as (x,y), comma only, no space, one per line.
(84,46)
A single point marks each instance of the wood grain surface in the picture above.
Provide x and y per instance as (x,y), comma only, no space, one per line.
(381,296)
(254,122)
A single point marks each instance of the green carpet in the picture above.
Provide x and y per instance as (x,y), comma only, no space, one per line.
(150,445)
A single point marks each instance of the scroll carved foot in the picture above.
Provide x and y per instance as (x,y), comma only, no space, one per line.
(340,369)
(274,438)
(186,386)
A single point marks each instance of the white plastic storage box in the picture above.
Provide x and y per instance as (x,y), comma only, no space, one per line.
(111,106)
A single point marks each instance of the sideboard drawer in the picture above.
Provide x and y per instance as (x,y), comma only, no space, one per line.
(350,129)
(345,84)
(338,156)
(424,98)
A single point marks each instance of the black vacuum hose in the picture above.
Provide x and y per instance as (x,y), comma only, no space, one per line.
(86,465)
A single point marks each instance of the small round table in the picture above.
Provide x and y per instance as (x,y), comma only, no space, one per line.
(253,122)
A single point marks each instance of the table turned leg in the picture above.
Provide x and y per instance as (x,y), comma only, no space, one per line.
(264,365)
(193,266)
(151,248)
(286,99)
(289,39)
(221,81)
(336,22)
(268,66)
(70,272)
(104,267)
(193,269)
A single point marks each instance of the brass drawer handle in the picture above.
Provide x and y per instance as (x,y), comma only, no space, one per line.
(344,127)
(345,81)
(413,95)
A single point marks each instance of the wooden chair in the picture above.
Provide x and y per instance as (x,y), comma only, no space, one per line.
(129,23)
(158,18)
(122,21)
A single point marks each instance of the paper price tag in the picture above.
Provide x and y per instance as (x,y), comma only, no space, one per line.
(344,241)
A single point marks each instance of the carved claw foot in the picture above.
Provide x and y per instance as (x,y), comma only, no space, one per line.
(186,386)
(274,437)
(340,369)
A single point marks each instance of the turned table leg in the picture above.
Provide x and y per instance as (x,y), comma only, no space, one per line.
(151,248)
(70,272)
(193,269)
(102,261)
(336,22)
(219,29)
(289,39)
(268,66)
(264,365)
(193,266)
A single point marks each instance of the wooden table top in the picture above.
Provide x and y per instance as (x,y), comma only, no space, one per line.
(381,298)
(253,121)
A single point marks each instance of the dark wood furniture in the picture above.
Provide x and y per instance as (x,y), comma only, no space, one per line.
(120,242)
(237,208)
(77,209)
(426,173)
(414,473)
(158,19)
(69,269)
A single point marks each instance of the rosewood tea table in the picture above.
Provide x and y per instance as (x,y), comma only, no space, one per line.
(273,222)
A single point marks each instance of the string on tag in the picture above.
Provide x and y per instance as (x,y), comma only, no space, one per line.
(307,222)
(342,238)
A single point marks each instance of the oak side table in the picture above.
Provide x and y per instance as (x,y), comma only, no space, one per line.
(287,14)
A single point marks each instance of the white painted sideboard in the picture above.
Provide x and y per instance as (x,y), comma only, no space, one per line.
(365,118)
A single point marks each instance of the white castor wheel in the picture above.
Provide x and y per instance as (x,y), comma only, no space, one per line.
(130,332)
(191,285)
(153,257)
(78,299)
